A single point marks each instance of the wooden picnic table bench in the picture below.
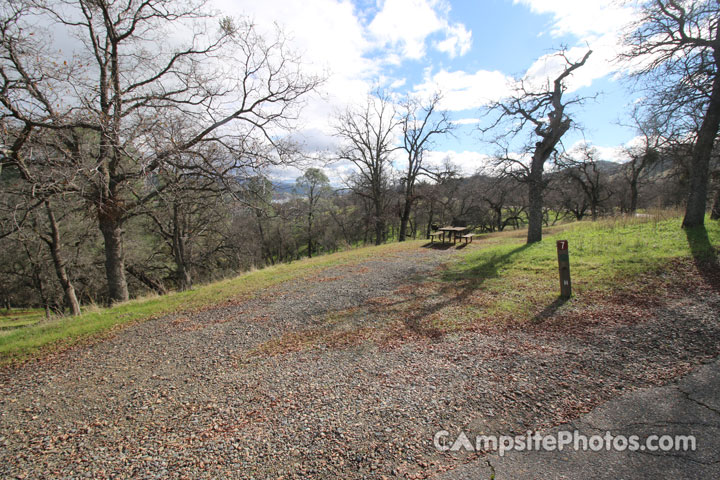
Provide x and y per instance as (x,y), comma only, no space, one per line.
(454,232)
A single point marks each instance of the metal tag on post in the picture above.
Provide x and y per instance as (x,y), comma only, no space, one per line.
(564,265)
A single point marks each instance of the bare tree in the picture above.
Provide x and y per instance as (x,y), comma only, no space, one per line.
(566,194)
(53,242)
(582,168)
(642,157)
(188,207)
(111,107)
(543,110)
(420,123)
(676,44)
(313,185)
(368,136)
(256,195)
(501,195)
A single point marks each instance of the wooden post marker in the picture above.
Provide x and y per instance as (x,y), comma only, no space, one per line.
(564,266)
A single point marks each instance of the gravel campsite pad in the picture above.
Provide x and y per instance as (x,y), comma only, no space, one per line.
(293,383)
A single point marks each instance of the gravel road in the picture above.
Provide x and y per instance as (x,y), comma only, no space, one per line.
(192,396)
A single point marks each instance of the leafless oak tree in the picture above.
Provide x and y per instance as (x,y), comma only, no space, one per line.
(111,104)
(420,123)
(582,168)
(313,185)
(544,112)
(642,157)
(677,46)
(53,242)
(368,137)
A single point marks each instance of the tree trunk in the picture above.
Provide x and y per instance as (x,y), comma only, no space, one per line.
(405,215)
(633,196)
(183,275)
(379,225)
(379,231)
(535,207)
(38,284)
(715,214)
(182,270)
(71,301)
(404,218)
(146,280)
(431,216)
(310,239)
(264,251)
(700,160)
(499,225)
(111,229)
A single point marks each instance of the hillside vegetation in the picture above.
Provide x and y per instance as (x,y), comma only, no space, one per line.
(497,278)
(514,280)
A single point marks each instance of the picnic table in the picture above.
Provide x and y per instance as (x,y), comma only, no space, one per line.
(454,233)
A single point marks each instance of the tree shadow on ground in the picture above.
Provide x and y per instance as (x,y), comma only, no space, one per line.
(469,281)
(704,255)
(438,245)
(445,245)
(550,310)
(489,268)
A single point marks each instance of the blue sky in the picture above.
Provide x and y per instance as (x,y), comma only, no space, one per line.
(468,50)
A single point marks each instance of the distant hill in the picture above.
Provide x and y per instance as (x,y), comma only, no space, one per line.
(611,168)
(283,186)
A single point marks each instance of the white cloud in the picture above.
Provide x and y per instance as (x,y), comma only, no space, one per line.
(600,63)
(582,18)
(467,121)
(405,25)
(611,154)
(398,83)
(615,153)
(331,40)
(597,24)
(467,161)
(337,40)
(462,90)
(458,41)
(314,140)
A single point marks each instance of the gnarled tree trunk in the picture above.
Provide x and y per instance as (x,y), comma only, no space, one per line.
(180,253)
(699,168)
(535,198)
(111,229)
(405,218)
(71,301)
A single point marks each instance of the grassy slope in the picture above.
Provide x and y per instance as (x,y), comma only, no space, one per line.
(503,280)
(515,280)
(21,343)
